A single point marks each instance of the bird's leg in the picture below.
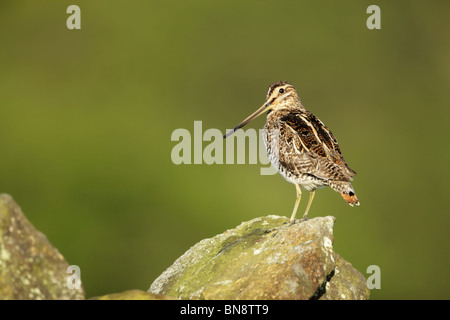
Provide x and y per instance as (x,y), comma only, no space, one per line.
(311,197)
(297,201)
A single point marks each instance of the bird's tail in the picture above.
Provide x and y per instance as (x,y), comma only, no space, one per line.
(350,198)
(346,190)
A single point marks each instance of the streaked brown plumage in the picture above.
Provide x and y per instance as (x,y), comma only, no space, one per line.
(301,147)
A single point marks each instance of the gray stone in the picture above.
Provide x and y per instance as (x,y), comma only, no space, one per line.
(30,267)
(133,295)
(265,258)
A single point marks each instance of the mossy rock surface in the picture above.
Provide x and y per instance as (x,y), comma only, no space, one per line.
(30,266)
(265,258)
(133,295)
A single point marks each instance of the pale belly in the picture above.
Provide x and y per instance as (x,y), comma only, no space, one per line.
(304,180)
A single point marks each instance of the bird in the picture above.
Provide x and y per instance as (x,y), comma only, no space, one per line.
(301,148)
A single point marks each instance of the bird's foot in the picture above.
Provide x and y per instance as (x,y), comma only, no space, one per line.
(294,221)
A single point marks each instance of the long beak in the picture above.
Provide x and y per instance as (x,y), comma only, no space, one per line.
(254,115)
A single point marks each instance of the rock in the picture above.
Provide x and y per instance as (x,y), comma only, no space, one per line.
(346,283)
(30,267)
(264,258)
(133,295)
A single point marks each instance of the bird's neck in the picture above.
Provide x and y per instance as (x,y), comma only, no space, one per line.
(286,108)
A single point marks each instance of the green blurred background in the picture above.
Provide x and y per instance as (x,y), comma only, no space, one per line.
(86,118)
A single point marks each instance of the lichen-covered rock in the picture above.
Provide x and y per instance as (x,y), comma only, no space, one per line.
(346,283)
(265,258)
(30,267)
(133,295)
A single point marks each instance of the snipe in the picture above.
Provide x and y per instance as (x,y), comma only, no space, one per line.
(301,147)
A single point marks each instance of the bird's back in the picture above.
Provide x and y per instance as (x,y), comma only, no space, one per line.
(302,146)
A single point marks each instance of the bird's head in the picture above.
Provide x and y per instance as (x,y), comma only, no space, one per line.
(279,95)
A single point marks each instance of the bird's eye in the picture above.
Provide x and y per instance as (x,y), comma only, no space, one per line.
(281,90)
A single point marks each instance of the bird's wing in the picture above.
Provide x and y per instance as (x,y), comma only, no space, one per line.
(312,147)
